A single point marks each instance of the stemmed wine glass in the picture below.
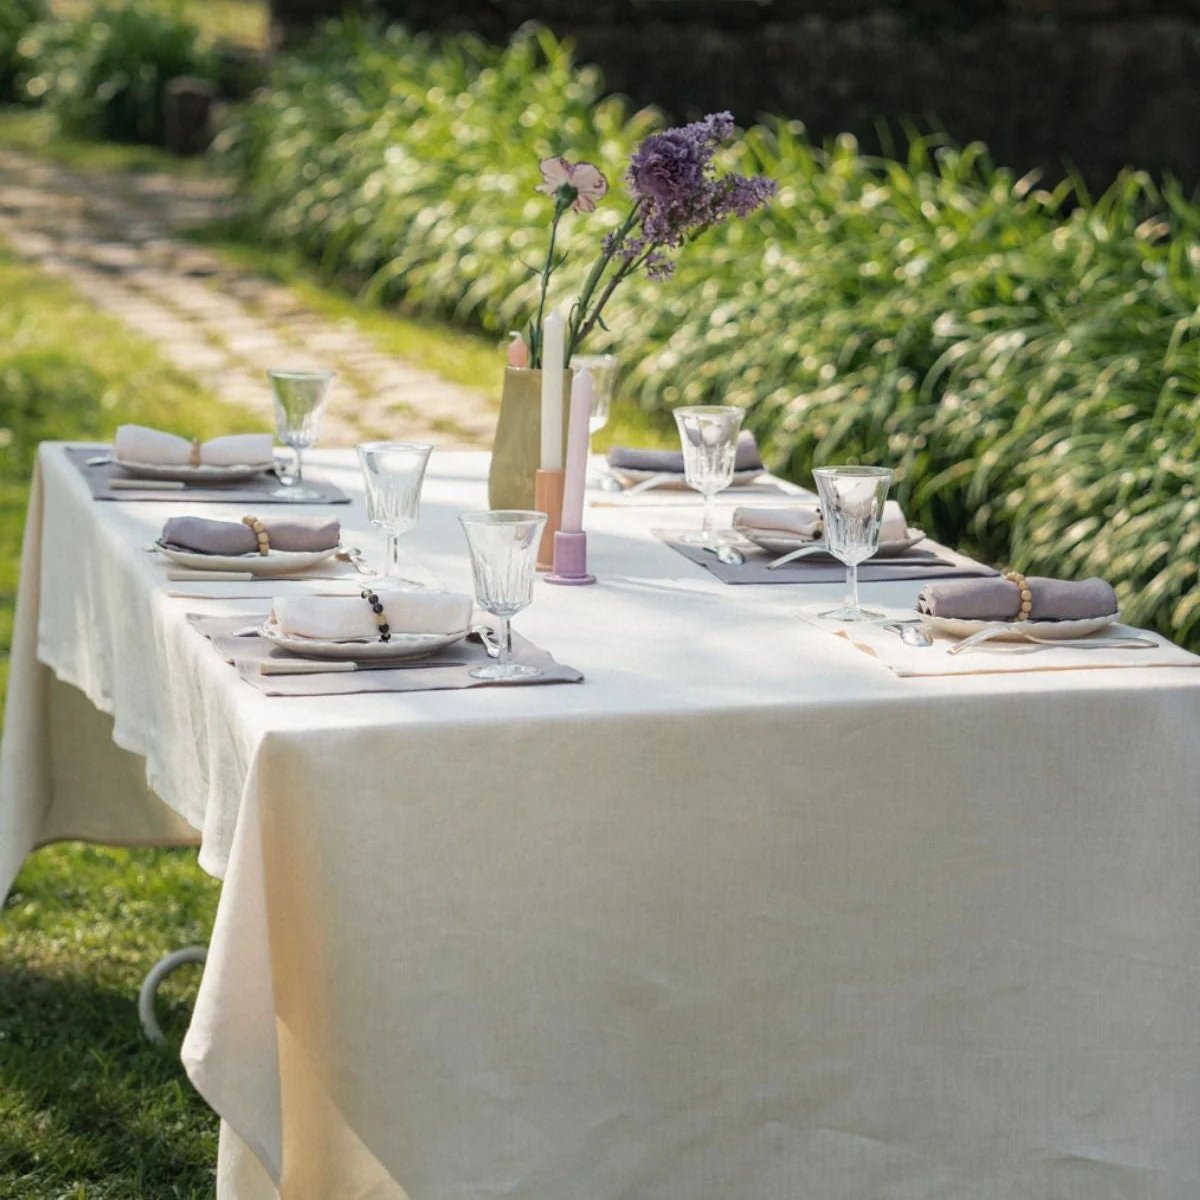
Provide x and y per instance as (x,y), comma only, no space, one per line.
(504,546)
(709,434)
(393,473)
(300,398)
(603,368)
(852,500)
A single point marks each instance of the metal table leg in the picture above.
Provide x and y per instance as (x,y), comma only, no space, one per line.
(159,972)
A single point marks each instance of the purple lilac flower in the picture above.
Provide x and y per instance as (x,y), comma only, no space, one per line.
(673,179)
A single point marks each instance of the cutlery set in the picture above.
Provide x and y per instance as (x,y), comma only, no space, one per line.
(917,633)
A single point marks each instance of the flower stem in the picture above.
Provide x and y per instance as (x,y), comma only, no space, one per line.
(583,321)
(535,331)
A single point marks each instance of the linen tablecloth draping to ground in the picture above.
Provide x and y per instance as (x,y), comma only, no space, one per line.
(743,915)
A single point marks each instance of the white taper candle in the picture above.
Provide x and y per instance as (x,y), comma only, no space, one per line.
(552,383)
(578,433)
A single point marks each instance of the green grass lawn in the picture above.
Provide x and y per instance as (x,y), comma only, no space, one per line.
(87,1107)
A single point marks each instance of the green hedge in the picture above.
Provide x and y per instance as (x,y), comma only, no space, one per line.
(104,75)
(1028,360)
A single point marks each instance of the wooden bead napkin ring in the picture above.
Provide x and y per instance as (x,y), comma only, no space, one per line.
(260,532)
(195,452)
(1026,594)
(385,631)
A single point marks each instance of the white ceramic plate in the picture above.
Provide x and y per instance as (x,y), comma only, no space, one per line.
(274,562)
(185,473)
(402,645)
(629,478)
(785,543)
(1064,631)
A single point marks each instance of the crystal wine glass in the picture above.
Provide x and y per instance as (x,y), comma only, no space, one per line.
(852,500)
(709,434)
(300,398)
(504,546)
(393,473)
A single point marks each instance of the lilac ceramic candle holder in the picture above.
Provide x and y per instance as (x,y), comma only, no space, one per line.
(570,560)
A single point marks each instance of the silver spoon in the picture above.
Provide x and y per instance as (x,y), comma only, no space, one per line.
(727,554)
(911,633)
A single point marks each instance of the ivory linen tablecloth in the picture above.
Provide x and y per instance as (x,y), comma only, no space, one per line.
(742,916)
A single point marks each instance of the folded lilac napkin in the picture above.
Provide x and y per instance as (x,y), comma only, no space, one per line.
(998,599)
(204,536)
(803,521)
(626,458)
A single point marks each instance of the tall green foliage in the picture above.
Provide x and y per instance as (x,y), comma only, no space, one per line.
(104,75)
(17,18)
(1029,360)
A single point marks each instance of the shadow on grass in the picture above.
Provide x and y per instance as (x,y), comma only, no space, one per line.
(87,1103)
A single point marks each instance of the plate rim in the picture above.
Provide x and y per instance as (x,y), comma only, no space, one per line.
(269,631)
(898,546)
(235,563)
(969,625)
(191,470)
(640,475)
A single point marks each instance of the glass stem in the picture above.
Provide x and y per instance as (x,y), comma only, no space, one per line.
(299,476)
(391,568)
(852,586)
(505,642)
(707,527)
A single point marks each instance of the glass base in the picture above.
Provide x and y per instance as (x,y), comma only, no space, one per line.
(852,614)
(507,671)
(297,494)
(697,537)
(393,583)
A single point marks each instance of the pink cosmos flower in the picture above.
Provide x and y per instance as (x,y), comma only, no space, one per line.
(580,183)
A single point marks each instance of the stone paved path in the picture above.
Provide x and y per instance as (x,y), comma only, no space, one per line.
(116,237)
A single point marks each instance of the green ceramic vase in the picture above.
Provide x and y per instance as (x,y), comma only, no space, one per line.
(517,450)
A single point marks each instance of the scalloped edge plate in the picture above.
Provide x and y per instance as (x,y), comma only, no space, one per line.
(783,543)
(274,562)
(1064,631)
(185,473)
(401,646)
(628,477)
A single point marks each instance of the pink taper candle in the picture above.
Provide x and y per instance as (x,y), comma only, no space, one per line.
(577,451)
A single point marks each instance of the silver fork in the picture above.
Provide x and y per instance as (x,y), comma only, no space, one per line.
(994,631)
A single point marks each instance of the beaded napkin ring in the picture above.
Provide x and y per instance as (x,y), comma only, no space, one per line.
(260,532)
(1026,594)
(385,632)
(195,457)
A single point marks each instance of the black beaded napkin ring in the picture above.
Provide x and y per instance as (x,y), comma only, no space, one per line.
(260,532)
(385,632)
(1026,594)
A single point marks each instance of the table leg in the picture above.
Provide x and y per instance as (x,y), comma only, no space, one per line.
(159,972)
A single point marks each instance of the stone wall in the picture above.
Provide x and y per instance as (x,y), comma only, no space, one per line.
(1100,83)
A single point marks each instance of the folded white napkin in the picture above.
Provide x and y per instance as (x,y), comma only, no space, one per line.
(804,521)
(338,618)
(138,444)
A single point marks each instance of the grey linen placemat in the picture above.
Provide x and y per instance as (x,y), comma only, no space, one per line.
(470,653)
(253,491)
(754,569)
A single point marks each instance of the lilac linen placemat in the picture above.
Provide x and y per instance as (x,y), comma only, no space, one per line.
(945,564)
(245,652)
(253,491)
